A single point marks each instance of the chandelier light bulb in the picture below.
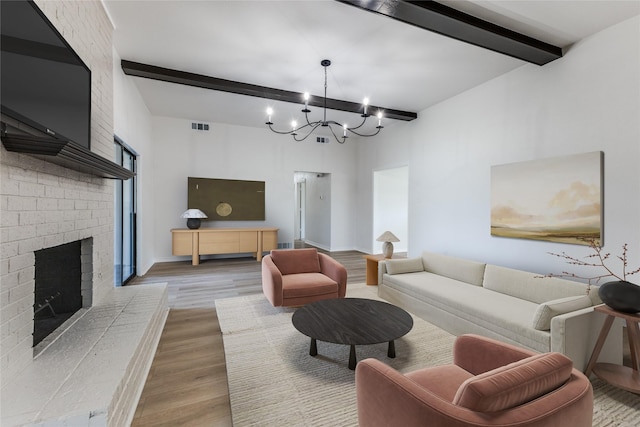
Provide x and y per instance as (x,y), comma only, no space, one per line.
(344,128)
(379,118)
(365,102)
(306,103)
(269,114)
(294,124)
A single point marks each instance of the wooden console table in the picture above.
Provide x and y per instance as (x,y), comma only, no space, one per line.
(213,241)
(617,375)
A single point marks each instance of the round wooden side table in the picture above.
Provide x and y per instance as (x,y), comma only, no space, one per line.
(617,375)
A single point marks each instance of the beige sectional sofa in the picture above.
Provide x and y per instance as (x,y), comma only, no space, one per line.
(514,306)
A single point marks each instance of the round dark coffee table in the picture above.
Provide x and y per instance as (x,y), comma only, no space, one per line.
(352,321)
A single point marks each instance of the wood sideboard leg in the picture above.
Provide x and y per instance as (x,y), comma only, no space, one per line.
(259,253)
(195,249)
(598,347)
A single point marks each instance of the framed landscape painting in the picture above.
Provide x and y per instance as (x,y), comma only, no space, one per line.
(557,199)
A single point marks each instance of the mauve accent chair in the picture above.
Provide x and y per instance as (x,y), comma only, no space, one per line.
(490,383)
(295,277)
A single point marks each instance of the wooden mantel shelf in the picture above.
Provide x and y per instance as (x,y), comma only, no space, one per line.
(213,241)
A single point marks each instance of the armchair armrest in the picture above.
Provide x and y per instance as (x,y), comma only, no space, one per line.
(476,354)
(271,281)
(336,271)
(385,397)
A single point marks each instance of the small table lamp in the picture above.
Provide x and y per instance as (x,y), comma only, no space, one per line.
(193,218)
(387,247)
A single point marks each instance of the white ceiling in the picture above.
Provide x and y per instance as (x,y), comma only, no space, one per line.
(280,44)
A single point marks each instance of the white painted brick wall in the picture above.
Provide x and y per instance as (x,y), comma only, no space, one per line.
(44,205)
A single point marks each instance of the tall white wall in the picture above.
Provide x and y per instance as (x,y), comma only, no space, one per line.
(235,152)
(391,207)
(132,124)
(589,100)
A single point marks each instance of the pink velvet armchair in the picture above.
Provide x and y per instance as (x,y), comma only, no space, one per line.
(489,383)
(295,277)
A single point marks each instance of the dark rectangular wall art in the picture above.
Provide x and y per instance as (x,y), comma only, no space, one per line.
(227,199)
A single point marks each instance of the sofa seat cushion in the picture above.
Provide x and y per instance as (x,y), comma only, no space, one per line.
(505,315)
(442,380)
(307,284)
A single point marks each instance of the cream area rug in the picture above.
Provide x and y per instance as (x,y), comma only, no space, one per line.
(274,382)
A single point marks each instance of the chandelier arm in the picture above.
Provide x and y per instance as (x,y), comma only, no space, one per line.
(378,128)
(344,138)
(307,135)
(287,132)
(364,119)
(306,116)
(311,124)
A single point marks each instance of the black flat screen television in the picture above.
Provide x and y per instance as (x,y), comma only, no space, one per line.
(45,84)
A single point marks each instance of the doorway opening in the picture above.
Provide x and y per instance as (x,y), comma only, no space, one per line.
(312,214)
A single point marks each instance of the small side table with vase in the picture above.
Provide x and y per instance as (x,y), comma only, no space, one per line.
(617,375)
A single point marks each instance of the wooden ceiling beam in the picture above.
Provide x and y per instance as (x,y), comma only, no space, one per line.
(206,82)
(449,22)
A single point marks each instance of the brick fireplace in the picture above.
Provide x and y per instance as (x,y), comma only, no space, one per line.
(93,366)
(45,205)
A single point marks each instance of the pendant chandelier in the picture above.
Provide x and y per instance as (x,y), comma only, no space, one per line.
(308,128)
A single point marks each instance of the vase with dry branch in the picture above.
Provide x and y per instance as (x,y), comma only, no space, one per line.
(619,294)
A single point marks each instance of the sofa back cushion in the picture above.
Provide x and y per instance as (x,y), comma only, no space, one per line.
(515,383)
(454,268)
(294,261)
(401,266)
(530,286)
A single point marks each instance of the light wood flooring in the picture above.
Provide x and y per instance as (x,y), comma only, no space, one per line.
(187,383)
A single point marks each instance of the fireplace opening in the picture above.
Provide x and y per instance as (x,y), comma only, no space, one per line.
(58,287)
